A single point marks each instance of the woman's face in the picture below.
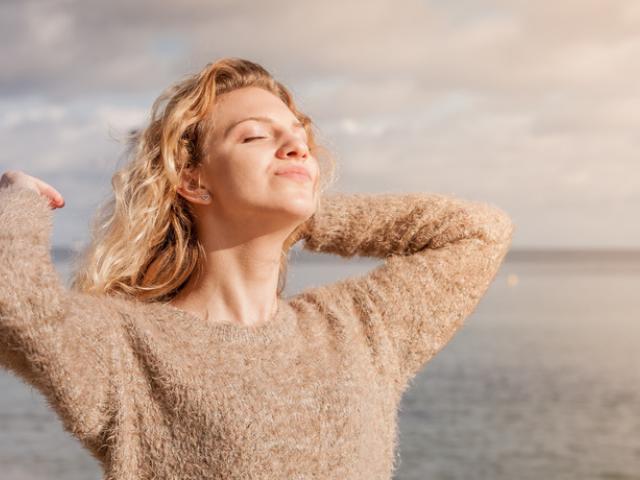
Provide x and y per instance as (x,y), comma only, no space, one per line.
(242,157)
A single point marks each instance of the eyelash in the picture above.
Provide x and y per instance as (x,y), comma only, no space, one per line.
(250,138)
(254,138)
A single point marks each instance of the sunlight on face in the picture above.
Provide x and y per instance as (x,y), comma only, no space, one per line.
(254,136)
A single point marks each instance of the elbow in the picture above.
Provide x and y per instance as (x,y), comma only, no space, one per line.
(484,222)
(498,234)
(502,227)
(493,225)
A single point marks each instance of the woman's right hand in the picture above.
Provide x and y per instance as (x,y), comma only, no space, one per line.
(16,177)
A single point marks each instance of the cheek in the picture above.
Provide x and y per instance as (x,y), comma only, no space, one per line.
(243,176)
(316,169)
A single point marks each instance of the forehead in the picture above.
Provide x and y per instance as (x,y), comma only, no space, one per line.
(246,102)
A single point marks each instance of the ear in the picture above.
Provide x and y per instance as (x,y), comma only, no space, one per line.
(191,189)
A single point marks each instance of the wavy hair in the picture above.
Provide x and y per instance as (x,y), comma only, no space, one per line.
(143,238)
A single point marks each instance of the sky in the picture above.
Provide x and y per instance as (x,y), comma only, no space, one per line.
(533,106)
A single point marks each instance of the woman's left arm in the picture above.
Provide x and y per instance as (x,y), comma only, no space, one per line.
(440,255)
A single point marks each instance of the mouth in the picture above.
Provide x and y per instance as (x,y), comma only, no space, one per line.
(294,175)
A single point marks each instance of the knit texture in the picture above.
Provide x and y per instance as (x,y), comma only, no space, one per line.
(154,392)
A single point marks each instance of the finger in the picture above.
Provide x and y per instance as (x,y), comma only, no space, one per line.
(50,192)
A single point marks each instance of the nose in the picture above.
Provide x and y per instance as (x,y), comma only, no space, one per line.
(294,146)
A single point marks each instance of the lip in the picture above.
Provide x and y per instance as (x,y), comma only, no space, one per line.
(294,171)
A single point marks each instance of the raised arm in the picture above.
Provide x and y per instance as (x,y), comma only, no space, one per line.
(440,255)
(63,343)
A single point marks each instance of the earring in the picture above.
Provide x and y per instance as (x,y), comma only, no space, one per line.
(205,196)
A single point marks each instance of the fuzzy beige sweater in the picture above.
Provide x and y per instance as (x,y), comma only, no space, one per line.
(154,392)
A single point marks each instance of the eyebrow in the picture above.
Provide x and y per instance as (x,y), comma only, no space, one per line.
(258,118)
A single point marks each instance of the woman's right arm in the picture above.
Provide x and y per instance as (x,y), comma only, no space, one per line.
(66,344)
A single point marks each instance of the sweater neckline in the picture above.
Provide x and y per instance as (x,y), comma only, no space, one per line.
(280,325)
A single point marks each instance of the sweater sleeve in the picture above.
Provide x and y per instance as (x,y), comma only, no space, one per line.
(63,343)
(440,255)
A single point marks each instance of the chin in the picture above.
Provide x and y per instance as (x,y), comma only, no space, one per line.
(299,207)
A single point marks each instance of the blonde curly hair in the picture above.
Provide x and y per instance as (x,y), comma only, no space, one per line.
(143,240)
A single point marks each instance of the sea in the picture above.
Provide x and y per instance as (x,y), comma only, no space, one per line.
(541,383)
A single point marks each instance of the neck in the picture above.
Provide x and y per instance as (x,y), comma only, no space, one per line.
(238,284)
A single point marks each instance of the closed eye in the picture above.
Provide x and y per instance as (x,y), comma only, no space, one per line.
(250,138)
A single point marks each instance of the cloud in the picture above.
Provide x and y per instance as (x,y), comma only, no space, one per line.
(531,105)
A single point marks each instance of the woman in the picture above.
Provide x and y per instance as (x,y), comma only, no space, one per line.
(174,353)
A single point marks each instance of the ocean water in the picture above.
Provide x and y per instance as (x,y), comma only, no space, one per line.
(542,382)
